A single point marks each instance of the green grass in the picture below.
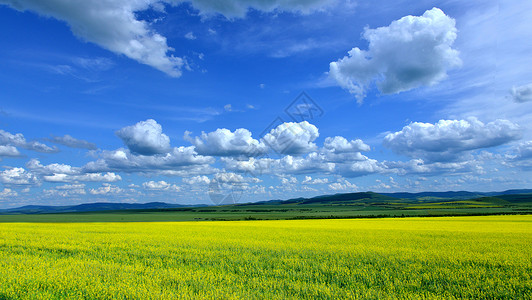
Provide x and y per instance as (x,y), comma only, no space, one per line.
(356,205)
(485,257)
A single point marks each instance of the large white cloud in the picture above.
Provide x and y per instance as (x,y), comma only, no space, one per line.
(145,138)
(223,142)
(292,138)
(17,176)
(447,139)
(178,159)
(410,52)
(65,173)
(113,25)
(18,140)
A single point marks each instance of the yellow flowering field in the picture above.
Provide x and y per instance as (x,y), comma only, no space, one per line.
(447,257)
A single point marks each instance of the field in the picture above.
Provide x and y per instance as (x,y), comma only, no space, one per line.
(444,257)
(339,206)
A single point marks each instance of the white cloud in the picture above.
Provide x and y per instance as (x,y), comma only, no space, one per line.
(76,186)
(360,168)
(9,151)
(160,186)
(195,180)
(447,139)
(343,185)
(6,192)
(239,8)
(229,178)
(288,180)
(35,166)
(522,93)
(419,166)
(71,142)
(524,150)
(521,156)
(309,180)
(292,138)
(113,25)
(88,177)
(17,176)
(18,140)
(179,159)
(65,173)
(106,189)
(224,142)
(190,36)
(410,52)
(340,144)
(145,138)
(228,107)
(66,190)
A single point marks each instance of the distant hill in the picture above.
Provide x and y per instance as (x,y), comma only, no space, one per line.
(89,207)
(460,195)
(379,200)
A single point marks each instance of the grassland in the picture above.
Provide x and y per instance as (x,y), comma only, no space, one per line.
(354,205)
(448,257)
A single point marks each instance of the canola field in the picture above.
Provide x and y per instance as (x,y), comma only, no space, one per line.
(448,257)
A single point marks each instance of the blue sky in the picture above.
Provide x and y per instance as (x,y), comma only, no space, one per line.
(201,101)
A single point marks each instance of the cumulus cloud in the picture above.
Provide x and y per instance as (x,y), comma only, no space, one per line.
(340,144)
(291,138)
(18,140)
(522,93)
(113,25)
(160,186)
(360,168)
(178,159)
(65,173)
(447,139)
(17,176)
(71,142)
(9,151)
(410,52)
(145,138)
(224,142)
(35,166)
